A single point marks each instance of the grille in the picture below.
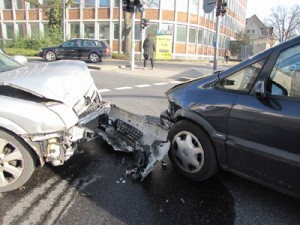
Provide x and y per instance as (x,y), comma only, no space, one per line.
(127,130)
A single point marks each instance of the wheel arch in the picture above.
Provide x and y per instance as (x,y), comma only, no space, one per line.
(217,138)
(17,131)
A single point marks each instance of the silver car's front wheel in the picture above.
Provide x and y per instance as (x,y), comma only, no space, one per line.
(16,162)
(50,56)
(192,152)
(94,57)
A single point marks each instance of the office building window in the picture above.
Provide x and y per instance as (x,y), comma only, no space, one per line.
(75,4)
(75,30)
(154,4)
(104,3)
(7,4)
(200,37)
(116,31)
(34,30)
(104,31)
(10,34)
(20,4)
(181,34)
(182,6)
(22,32)
(194,6)
(89,30)
(89,3)
(192,35)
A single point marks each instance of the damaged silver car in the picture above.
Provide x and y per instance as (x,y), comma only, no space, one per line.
(43,112)
(47,109)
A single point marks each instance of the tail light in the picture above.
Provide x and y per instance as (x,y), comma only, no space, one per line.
(107,50)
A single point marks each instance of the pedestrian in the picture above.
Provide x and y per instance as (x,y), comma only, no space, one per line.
(227,55)
(149,50)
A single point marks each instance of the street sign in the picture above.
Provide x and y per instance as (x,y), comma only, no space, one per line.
(209,5)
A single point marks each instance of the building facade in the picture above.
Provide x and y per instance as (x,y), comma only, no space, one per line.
(193,31)
(261,37)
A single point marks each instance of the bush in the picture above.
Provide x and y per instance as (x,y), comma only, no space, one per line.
(21,51)
(120,56)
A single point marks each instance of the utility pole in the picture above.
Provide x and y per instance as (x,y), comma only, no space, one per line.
(120,27)
(132,6)
(216,45)
(221,10)
(132,40)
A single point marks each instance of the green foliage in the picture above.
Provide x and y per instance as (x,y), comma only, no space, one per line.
(21,51)
(33,44)
(120,56)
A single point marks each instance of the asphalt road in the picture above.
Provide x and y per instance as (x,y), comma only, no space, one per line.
(91,187)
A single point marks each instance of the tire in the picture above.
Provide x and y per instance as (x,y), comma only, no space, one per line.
(191,151)
(50,56)
(94,57)
(17,162)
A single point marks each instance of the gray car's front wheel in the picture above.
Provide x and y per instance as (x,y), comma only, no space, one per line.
(50,56)
(192,152)
(94,57)
(16,162)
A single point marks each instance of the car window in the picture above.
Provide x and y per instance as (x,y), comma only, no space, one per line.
(69,44)
(285,76)
(6,63)
(87,43)
(242,80)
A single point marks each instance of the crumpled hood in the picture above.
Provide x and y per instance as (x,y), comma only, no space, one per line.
(65,81)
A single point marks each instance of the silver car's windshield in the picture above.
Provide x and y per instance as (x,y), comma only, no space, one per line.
(7,63)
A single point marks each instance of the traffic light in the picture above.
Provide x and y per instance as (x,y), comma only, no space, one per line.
(221,7)
(132,6)
(144,23)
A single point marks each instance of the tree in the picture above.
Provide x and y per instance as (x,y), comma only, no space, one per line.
(54,11)
(286,22)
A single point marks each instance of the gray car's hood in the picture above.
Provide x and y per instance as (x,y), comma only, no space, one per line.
(64,81)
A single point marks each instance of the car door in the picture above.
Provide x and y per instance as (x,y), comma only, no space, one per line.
(263,137)
(68,50)
(85,49)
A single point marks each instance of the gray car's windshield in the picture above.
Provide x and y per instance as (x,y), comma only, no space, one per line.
(6,63)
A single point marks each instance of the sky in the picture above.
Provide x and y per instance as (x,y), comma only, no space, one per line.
(262,8)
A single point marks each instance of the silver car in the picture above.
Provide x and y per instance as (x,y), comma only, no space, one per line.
(44,109)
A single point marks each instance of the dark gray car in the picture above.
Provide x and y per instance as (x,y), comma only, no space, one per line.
(83,49)
(245,120)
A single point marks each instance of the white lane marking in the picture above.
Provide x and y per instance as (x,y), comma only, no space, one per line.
(175,82)
(103,90)
(160,84)
(123,88)
(143,85)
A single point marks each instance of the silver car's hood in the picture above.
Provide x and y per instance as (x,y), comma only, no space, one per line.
(64,81)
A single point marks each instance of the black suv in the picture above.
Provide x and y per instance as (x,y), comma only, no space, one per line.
(245,120)
(84,49)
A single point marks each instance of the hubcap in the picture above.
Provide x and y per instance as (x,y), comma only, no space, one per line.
(188,152)
(11,163)
(94,57)
(50,56)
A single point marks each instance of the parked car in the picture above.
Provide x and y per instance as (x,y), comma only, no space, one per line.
(245,120)
(44,109)
(84,49)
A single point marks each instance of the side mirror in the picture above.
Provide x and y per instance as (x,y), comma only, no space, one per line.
(260,89)
(20,59)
